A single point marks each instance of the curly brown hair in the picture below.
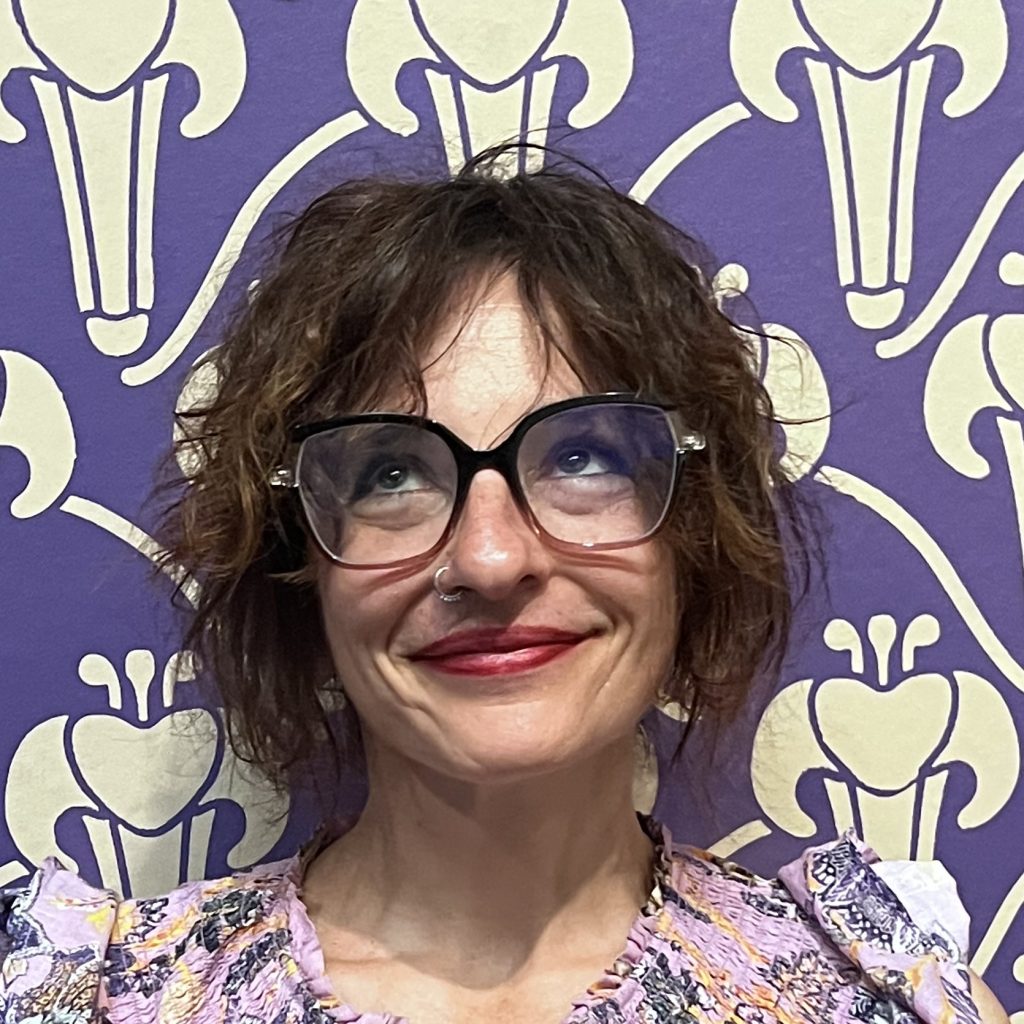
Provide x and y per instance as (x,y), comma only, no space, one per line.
(339,321)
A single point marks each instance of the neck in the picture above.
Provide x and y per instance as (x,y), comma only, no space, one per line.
(488,869)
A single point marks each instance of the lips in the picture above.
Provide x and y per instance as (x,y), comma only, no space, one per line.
(499,651)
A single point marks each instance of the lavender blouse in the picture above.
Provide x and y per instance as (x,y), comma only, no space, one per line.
(830,941)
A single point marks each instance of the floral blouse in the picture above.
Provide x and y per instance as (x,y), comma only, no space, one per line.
(829,941)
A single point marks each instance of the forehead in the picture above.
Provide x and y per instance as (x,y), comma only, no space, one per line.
(488,365)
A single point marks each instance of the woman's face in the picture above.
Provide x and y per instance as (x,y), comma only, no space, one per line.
(540,715)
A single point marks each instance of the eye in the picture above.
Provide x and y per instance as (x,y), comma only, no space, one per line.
(389,476)
(585,458)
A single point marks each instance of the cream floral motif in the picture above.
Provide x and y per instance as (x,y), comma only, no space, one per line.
(869,67)
(483,93)
(146,779)
(98,72)
(978,368)
(883,742)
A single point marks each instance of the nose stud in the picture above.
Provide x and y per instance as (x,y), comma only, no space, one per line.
(445,595)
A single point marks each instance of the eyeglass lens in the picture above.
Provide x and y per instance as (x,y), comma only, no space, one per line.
(377,493)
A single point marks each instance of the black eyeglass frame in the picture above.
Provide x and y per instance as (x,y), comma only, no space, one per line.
(503,458)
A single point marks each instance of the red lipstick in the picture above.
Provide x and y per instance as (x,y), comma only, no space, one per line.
(501,651)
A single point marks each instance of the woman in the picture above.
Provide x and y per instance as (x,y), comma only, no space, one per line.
(485,453)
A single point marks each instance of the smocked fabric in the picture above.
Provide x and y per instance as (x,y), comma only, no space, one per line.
(830,941)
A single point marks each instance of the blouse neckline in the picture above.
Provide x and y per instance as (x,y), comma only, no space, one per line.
(615,978)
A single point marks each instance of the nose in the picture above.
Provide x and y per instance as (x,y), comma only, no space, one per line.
(494,551)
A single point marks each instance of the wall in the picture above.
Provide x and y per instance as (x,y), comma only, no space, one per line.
(856,169)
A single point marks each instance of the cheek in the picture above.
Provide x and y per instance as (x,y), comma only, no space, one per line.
(656,609)
(357,617)
(361,611)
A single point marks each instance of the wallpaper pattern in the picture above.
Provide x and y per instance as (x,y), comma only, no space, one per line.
(857,169)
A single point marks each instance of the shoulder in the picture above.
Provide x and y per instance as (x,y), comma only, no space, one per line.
(67,947)
(850,926)
(223,905)
(202,941)
(724,892)
(53,934)
(752,924)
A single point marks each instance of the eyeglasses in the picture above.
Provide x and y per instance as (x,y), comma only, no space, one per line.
(383,489)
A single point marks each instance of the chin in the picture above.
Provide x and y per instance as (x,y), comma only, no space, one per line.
(482,760)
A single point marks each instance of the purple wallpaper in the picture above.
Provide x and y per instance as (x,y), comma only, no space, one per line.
(855,168)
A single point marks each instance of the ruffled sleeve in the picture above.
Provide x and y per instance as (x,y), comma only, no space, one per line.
(53,941)
(901,922)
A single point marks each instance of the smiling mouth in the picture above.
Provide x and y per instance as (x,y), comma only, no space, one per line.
(498,652)
(498,663)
